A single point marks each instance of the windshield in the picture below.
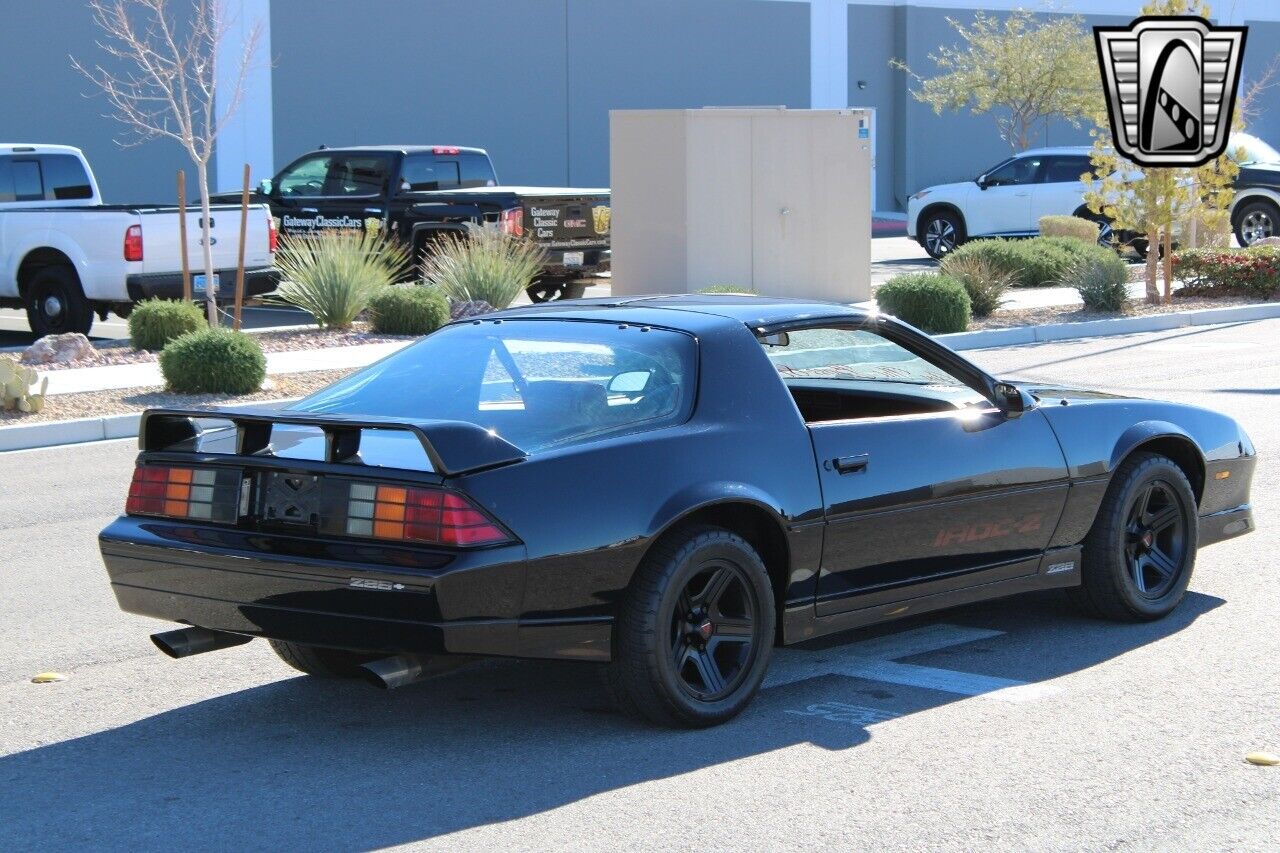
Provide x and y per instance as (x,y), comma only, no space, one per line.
(1250,149)
(536,383)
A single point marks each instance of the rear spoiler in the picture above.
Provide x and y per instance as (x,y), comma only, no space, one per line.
(453,447)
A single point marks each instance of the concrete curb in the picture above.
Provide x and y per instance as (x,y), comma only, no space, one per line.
(1018,335)
(82,430)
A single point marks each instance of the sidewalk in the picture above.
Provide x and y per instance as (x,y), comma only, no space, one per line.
(138,375)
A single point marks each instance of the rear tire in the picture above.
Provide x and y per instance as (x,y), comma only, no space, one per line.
(694,632)
(1139,556)
(555,288)
(55,303)
(320,662)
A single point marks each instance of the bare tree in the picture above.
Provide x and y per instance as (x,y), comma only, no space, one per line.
(1249,107)
(163,83)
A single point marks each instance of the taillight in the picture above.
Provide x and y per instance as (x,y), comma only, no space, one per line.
(273,236)
(204,494)
(513,221)
(133,243)
(435,516)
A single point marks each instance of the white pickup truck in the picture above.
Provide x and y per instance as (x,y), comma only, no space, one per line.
(65,256)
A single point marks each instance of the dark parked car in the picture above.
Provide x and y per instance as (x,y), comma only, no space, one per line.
(666,485)
(1255,209)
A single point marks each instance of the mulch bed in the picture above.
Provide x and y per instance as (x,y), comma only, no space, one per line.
(119,352)
(123,401)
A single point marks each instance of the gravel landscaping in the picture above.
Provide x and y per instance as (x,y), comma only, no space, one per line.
(122,401)
(1004,319)
(284,340)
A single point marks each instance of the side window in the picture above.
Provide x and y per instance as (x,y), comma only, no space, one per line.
(477,171)
(1020,170)
(1065,170)
(304,178)
(357,175)
(6,180)
(423,172)
(28,183)
(65,178)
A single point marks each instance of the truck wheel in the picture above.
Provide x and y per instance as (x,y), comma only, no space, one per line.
(694,632)
(554,287)
(56,304)
(320,662)
(1256,220)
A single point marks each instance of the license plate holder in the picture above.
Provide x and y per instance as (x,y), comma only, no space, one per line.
(290,499)
(198,284)
(573,259)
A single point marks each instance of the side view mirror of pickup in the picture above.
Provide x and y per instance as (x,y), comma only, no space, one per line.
(265,186)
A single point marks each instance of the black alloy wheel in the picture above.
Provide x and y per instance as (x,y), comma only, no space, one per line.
(694,631)
(713,636)
(1155,545)
(1140,553)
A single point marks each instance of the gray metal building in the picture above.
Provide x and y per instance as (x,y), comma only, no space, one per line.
(533,80)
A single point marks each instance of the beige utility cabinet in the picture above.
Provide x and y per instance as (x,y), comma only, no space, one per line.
(775,199)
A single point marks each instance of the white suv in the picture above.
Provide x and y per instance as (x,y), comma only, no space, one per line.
(1005,201)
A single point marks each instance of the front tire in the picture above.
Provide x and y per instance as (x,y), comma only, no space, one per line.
(1139,556)
(320,662)
(55,303)
(1256,220)
(695,631)
(941,232)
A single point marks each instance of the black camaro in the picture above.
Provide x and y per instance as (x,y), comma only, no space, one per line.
(666,485)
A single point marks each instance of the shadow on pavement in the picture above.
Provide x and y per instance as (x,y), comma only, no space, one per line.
(305,763)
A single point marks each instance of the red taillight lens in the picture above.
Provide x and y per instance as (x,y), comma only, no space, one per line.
(410,514)
(273,236)
(133,243)
(513,221)
(444,149)
(204,494)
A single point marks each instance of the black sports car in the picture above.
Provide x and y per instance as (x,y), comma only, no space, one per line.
(666,485)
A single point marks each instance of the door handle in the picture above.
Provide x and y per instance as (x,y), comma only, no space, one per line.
(376,211)
(855,464)
(310,210)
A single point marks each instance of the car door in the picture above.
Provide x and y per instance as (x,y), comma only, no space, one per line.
(1003,203)
(331,190)
(1059,191)
(927,486)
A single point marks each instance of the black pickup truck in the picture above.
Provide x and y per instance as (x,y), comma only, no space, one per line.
(421,192)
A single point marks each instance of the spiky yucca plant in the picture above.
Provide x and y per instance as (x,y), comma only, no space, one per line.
(485,265)
(334,274)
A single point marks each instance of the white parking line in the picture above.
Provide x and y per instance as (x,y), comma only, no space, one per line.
(875,659)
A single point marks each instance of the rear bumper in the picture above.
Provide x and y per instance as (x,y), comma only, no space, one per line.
(593,261)
(169,285)
(407,602)
(1227,524)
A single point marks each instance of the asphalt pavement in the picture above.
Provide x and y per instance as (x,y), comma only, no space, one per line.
(1015,725)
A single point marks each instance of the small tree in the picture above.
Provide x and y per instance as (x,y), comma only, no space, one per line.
(1024,69)
(1154,201)
(168,89)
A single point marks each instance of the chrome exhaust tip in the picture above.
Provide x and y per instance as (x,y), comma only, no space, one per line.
(186,642)
(399,670)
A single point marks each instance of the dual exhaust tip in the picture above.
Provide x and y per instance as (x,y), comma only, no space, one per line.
(386,673)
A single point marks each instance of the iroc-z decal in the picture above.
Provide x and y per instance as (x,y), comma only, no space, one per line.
(983,530)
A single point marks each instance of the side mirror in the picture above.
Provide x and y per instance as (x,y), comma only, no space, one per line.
(1012,400)
(981,181)
(265,186)
(631,382)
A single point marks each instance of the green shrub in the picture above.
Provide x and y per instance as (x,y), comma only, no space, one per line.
(985,283)
(334,274)
(485,265)
(408,309)
(1228,272)
(155,322)
(728,288)
(1036,262)
(933,303)
(1101,281)
(1069,226)
(213,361)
